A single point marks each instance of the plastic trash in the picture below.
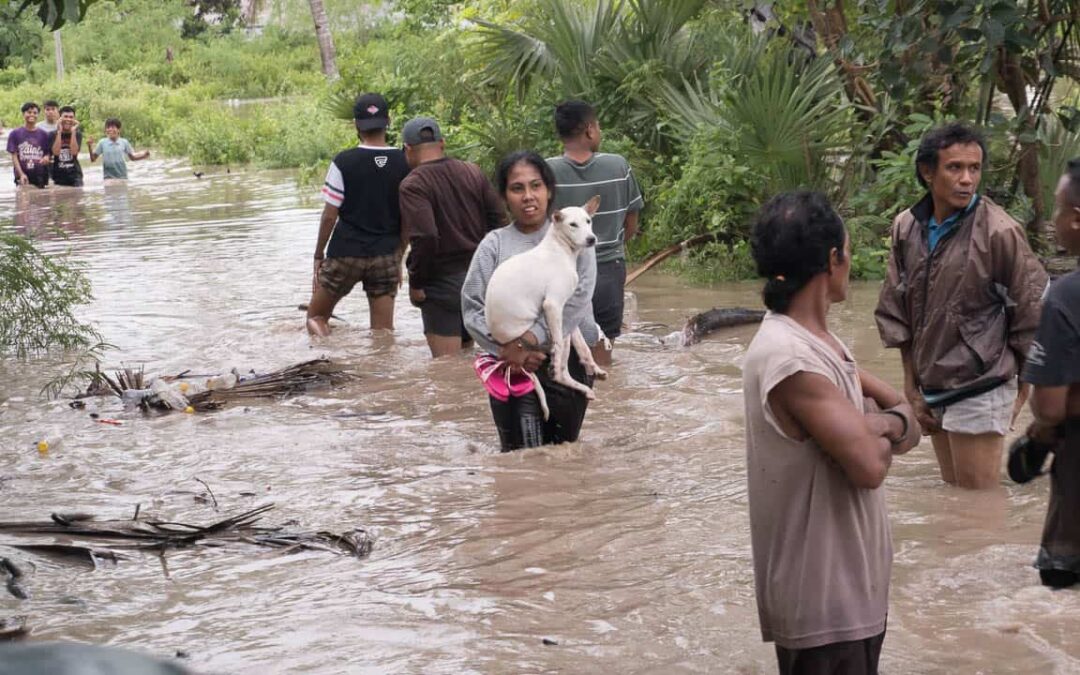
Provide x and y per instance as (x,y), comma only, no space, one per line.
(226,381)
(169,396)
(133,397)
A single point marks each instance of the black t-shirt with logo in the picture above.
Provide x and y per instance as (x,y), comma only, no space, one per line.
(363,183)
(65,168)
(1054,357)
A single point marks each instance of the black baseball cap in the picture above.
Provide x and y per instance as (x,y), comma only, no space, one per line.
(371,112)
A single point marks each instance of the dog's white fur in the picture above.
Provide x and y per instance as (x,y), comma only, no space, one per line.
(543,279)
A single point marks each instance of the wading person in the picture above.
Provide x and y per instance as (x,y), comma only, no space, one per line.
(362,222)
(447,206)
(64,146)
(528,185)
(818,451)
(51,113)
(961,302)
(114,152)
(1053,368)
(581,172)
(29,149)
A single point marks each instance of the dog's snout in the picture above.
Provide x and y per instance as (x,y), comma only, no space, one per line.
(590,241)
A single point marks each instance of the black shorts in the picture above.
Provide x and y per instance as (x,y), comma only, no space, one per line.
(520,422)
(441,308)
(607,298)
(857,657)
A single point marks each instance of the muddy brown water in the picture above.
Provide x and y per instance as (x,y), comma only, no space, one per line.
(630,550)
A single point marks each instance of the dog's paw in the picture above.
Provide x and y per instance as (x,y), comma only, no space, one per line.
(599,373)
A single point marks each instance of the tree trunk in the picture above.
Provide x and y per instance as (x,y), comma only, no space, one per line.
(59,55)
(326,40)
(1011,81)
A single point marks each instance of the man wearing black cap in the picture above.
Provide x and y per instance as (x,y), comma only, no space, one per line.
(361,209)
(447,206)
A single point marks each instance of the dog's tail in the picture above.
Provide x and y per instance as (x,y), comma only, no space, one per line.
(539,389)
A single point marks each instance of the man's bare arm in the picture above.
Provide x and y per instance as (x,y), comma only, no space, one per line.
(1050,405)
(809,404)
(630,225)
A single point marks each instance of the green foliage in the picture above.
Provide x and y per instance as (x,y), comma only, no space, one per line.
(19,41)
(38,298)
(55,13)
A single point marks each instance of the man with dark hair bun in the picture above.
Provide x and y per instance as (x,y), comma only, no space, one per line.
(1053,368)
(961,302)
(817,452)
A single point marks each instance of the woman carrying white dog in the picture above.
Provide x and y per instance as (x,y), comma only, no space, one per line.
(528,186)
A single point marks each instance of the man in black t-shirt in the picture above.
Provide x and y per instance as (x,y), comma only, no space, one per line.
(361,209)
(1053,367)
(64,145)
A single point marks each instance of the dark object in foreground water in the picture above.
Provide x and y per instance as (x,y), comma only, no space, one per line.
(13,628)
(1026,458)
(60,658)
(700,325)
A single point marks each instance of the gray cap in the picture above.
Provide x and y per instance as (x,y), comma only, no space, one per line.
(411,133)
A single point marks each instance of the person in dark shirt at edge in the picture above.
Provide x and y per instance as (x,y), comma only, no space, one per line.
(362,222)
(447,207)
(1053,370)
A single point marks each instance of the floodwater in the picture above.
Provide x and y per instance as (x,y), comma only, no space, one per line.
(629,551)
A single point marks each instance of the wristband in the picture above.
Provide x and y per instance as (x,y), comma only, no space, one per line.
(903,420)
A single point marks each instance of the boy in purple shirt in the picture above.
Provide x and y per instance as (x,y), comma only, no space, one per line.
(29,149)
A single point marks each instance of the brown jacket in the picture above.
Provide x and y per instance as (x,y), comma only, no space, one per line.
(969,310)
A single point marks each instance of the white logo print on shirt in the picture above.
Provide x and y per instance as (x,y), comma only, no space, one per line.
(381,161)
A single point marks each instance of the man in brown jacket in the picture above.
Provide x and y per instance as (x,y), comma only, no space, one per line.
(447,206)
(961,302)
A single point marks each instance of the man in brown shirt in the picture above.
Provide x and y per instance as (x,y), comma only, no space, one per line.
(447,206)
(817,453)
(961,301)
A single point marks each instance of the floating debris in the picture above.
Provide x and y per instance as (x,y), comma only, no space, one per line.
(196,393)
(162,535)
(700,325)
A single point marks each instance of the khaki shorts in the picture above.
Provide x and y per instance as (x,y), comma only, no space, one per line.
(989,413)
(378,273)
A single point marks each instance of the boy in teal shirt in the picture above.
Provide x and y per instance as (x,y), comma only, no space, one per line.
(114,151)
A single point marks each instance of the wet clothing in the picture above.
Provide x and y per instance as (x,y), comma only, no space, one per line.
(1054,361)
(936,231)
(969,309)
(441,309)
(362,183)
(447,206)
(30,149)
(608,298)
(114,156)
(857,657)
(520,423)
(497,247)
(822,547)
(378,273)
(610,177)
(65,168)
(988,413)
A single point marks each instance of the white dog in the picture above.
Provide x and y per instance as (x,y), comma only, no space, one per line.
(542,279)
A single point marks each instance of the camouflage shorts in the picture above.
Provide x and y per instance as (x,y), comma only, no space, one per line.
(378,273)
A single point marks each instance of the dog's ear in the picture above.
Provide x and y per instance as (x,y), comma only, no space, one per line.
(592,205)
(558,216)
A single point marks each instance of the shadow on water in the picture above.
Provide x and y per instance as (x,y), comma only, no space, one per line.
(630,550)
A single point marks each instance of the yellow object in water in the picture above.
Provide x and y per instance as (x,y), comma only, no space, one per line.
(43,447)
(189,409)
(183,387)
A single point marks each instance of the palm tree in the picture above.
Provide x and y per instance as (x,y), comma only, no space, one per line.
(326,40)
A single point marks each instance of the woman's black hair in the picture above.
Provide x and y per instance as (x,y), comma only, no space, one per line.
(502,174)
(792,237)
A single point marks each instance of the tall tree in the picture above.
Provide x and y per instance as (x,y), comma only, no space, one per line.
(326,40)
